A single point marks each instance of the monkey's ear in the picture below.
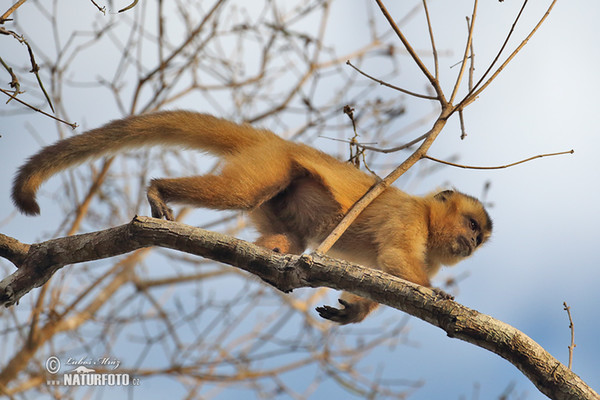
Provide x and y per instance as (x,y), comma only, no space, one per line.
(443,196)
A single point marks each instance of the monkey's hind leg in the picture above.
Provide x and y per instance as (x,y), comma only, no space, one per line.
(219,192)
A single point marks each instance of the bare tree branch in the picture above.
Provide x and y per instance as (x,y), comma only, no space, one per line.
(288,272)
(422,96)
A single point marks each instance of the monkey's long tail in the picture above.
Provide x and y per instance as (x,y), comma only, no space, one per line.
(171,128)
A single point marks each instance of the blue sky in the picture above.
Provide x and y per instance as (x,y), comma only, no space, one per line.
(545,211)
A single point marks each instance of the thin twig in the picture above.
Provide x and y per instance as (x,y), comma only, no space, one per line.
(354,158)
(72,125)
(397,148)
(432,80)
(129,7)
(382,185)
(178,50)
(12,9)
(466,54)
(472,59)
(497,167)
(101,9)
(368,146)
(14,81)
(422,96)
(463,130)
(360,151)
(510,32)
(34,67)
(572,327)
(433,48)
(457,63)
(469,98)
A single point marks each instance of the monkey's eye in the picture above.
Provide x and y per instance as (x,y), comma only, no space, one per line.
(473,225)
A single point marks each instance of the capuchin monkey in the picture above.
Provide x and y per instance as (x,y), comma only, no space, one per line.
(294,194)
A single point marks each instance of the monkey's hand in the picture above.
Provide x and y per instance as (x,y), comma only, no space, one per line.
(352,312)
(157,205)
(443,295)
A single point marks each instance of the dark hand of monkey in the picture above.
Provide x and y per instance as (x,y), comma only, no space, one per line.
(350,313)
(440,293)
(359,308)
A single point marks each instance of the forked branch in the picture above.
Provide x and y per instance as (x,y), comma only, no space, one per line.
(447,111)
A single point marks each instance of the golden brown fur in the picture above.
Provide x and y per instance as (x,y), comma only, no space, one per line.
(295,195)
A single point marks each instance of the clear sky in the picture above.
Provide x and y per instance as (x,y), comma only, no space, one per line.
(545,211)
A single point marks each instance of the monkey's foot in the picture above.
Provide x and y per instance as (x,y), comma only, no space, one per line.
(158,207)
(349,314)
(440,293)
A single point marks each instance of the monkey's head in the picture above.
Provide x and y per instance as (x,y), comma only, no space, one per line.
(458,225)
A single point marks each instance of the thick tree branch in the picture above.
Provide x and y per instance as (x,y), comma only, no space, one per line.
(286,272)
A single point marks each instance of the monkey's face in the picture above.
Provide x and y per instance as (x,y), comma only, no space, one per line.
(458,226)
(467,239)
